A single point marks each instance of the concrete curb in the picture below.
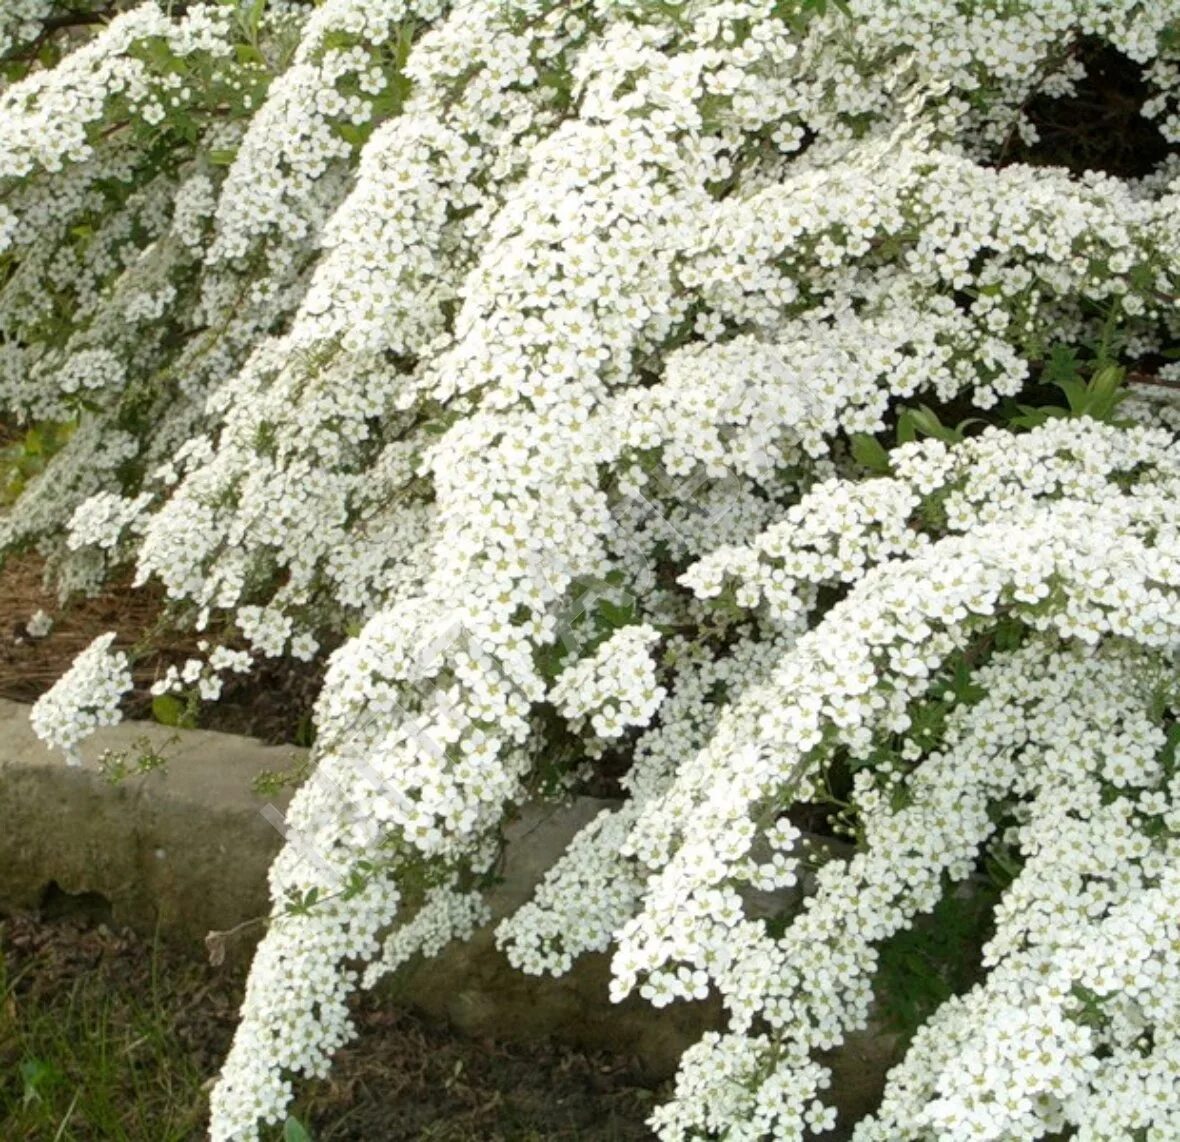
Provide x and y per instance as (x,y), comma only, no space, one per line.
(184,850)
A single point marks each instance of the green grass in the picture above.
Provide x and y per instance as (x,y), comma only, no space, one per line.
(85,1055)
(108,1038)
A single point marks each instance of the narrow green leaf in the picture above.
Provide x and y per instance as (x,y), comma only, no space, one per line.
(1104,393)
(295,1131)
(248,53)
(254,16)
(1062,365)
(354,134)
(924,420)
(1075,394)
(869,451)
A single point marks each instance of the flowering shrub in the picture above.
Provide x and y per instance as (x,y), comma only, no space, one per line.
(586,363)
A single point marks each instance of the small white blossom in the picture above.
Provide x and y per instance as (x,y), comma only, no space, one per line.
(85,697)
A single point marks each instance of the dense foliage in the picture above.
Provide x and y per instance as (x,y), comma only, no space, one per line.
(693,394)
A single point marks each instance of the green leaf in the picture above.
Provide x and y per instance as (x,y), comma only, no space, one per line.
(337,41)
(36,1074)
(354,134)
(1062,365)
(1105,392)
(1009,634)
(869,451)
(615,616)
(248,53)
(169,710)
(305,731)
(252,16)
(549,661)
(1171,746)
(1075,394)
(924,420)
(1034,417)
(295,1131)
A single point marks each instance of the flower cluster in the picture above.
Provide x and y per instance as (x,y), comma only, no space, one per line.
(85,697)
(21,22)
(615,687)
(431,332)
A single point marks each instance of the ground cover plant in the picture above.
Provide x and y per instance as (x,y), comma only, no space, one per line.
(765,407)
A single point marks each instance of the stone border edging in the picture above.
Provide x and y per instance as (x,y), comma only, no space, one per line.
(185,850)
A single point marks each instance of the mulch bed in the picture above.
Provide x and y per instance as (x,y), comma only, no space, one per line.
(272,703)
(136,1029)
(114,1025)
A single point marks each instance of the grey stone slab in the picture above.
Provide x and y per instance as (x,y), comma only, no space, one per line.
(185,850)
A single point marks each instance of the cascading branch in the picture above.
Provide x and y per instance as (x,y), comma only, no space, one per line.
(586,363)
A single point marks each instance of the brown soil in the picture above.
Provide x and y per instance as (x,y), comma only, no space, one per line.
(28,665)
(1101,126)
(403,1078)
(272,703)
(167,1022)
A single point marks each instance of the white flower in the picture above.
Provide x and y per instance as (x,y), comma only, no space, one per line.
(537,346)
(85,697)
